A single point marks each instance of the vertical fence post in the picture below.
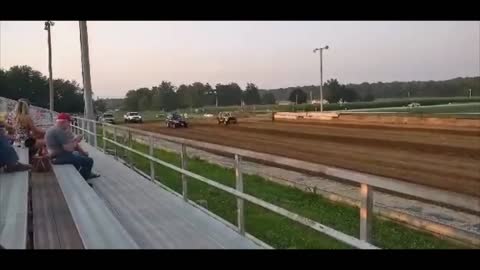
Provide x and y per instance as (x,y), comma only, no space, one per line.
(104,135)
(75,124)
(115,140)
(81,126)
(74,129)
(239,187)
(150,152)
(129,153)
(184,158)
(366,212)
(95,139)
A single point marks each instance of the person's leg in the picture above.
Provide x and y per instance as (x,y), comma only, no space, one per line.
(86,164)
(9,157)
(66,158)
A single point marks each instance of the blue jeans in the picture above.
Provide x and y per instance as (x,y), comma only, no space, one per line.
(82,163)
(8,156)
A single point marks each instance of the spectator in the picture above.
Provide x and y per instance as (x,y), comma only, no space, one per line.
(25,130)
(8,156)
(63,147)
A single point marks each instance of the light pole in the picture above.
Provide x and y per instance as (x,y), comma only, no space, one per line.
(321,74)
(48,25)
(216,96)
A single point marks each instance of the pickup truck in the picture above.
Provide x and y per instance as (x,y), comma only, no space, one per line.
(108,118)
(132,117)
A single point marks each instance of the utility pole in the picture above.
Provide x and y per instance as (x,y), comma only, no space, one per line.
(321,74)
(0,44)
(48,25)
(87,84)
(470,93)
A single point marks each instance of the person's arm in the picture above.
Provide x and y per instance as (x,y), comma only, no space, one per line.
(67,142)
(9,128)
(80,150)
(69,147)
(35,129)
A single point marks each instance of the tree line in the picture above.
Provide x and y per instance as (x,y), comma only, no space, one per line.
(168,97)
(457,87)
(25,82)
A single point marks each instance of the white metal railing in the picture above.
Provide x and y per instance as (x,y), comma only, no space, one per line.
(366,181)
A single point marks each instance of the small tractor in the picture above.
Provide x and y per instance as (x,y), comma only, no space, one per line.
(226,118)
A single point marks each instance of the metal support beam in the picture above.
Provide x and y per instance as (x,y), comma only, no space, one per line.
(366,212)
(184,159)
(239,188)
(152,164)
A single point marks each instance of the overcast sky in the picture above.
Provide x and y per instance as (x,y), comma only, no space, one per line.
(129,55)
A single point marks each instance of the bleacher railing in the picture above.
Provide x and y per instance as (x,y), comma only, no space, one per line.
(367,182)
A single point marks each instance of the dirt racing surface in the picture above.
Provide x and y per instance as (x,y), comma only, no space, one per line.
(444,158)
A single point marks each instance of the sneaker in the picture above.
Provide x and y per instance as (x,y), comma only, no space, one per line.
(18,167)
(93,175)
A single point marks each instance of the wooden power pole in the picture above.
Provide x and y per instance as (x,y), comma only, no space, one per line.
(48,25)
(87,83)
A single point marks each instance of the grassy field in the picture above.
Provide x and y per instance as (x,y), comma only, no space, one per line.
(463,108)
(276,230)
(460,105)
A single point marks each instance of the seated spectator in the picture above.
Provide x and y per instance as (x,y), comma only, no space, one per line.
(8,156)
(62,146)
(25,130)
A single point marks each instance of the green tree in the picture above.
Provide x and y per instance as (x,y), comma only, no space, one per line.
(144,97)
(251,95)
(369,96)
(164,96)
(298,96)
(100,105)
(268,98)
(229,94)
(131,101)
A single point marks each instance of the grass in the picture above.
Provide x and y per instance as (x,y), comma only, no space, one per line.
(389,105)
(432,109)
(274,229)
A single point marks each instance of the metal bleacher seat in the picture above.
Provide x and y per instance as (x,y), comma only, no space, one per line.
(14,206)
(97,226)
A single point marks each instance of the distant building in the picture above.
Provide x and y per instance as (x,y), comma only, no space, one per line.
(285,103)
(317,101)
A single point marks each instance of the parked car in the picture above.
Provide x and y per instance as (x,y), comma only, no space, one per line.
(108,118)
(132,117)
(175,120)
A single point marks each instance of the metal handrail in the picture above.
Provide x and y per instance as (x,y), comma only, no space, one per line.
(366,181)
(423,193)
(238,192)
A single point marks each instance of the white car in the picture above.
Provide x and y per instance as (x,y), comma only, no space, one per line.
(132,117)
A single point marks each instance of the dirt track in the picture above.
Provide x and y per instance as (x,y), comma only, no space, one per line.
(443,158)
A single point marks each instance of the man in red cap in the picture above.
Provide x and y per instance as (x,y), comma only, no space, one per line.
(63,147)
